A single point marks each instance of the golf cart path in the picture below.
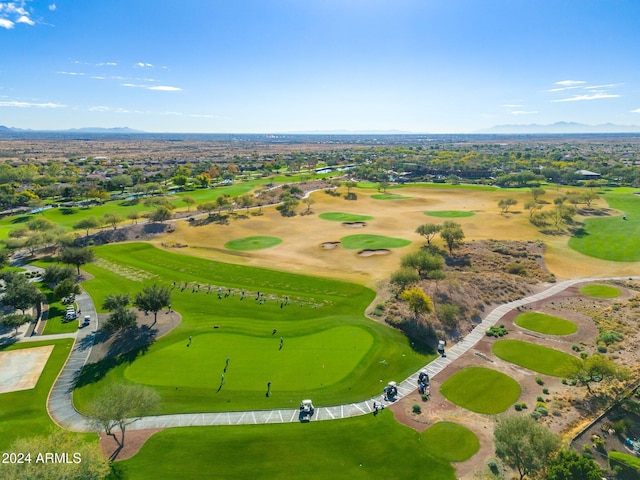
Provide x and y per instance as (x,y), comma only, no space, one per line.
(62,411)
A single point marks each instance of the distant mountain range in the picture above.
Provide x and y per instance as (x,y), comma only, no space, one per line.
(562,127)
(74,130)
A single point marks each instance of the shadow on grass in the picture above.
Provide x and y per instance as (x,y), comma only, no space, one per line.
(6,342)
(212,218)
(22,219)
(127,345)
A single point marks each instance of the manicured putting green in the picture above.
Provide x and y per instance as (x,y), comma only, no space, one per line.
(361,241)
(481,390)
(304,362)
(344,217)
(449,214)
(600,291)
(543,323)
(252,243)
(534,357)
(354,448)
(389,196)
(451,441)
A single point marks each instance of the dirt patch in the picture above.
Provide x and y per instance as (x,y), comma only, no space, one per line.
(127,233)
(134,440)
(372,252)
(354,224)
(330,245)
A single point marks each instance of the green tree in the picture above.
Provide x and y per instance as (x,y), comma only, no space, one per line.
(85,460)
(429,231)
(21,294)
(418,301)
(113,301)
(533,207)
(523,444)
(593,369)
(452,234)
(112,219)
(86,224)
(160,214)
(119,405)
(404,277)
(423,262)
(568,465)
(77,256)
(15,320)
(189,201)
(66,287)
(133,216)
(536,193)
(120,319)
(506,203)
(152,299)
(207,207)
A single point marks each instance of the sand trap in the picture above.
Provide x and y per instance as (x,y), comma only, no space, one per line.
(371,252)
(354,224)
(21,369)
(330,245)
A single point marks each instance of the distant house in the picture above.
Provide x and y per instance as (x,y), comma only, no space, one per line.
(587,175)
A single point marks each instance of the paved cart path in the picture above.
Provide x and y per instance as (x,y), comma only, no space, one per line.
(62,411)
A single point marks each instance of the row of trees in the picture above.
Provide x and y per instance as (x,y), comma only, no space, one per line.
(152,298)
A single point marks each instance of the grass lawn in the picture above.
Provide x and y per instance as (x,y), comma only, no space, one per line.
(55,318)
(612,238)
(534,357)
(253,243)
(481,390)
(451,441)
(360,241)
(600,291)
(449,214)
(24,413)
(540,322)
(344,217)
(389,196)
(331,352)
(342,449)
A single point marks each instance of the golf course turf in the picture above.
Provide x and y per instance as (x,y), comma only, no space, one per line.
(344,217)
(360,241)
(451,441)
(600,291)
(389,196)
(481,390)
(449,214)
(318,450)
(534,357)
(542,323)
(252,243)
(330,352)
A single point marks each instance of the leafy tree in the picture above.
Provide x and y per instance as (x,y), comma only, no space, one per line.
(404,277)
(222,202)
(77,256)
(152,299)
(90,465)
(66,287)
(533,207)
(568,465)
(595,368)
(429,231)
(204,180)
(180,180)
(113,301)
(160,214)
(417,300)
(15,320)
(207,207)
(87,224)
(506,203)
(536,193)
(288,207)
(423,262)
(133,216)
(561,214)
(523,444)
(112,219)
(120,319)
(308,201)
(452,234)
(189,201)
(589,197)
(119,405)
(21,294)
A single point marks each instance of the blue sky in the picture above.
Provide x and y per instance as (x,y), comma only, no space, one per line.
(436,66)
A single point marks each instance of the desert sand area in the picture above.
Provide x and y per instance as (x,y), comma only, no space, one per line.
(304,235)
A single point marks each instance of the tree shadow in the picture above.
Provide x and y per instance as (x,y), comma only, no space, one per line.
(22,219)
(6,342)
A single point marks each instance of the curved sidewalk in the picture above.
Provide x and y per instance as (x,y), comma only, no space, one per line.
(60,402)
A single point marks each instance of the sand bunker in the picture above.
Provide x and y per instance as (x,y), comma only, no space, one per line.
(370,252)
(21,369)
(330,245)
(354,224)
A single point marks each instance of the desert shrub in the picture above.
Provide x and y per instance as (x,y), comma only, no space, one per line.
(417,409)
(448,313)
(601,349)
(599,443)
(519,406)
(545,390)
(497,331)
(575,348)
(379,310)
(516,268)
(583,355)
(610,337)
(542,410)
(540,398)
(539,381)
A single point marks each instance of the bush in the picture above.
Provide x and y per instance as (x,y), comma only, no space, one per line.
(545,390)
(540,398)
(448,313)
(497,331)
(575,348)
(601,349)
(542,410)
(493,466)
(519,406)
(539,381)
(417,409)
(583,355)
(516,268)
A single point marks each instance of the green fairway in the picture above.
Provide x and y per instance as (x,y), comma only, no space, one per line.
(24,413)
(534,357)
(600,291)
(612,238)
(481,390)
(389,196)
(540,322)
(330,353)
(342,449)
(360,241)
(304,362)
(451,441)
(449,214)
(344,217)
(253,243)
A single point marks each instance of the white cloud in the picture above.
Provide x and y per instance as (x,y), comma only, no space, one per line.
(523,112)
(4,23)
(17,104)
(12,13)
(132,85)
(79,74)
(106,64)
(99,108)
(52,7)
(143,65)
(512,106)
(560,89)
(568,83)
(595,96)
(165,88)
(637,110)
(198,115)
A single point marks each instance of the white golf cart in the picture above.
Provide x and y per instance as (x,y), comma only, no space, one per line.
(306,410)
